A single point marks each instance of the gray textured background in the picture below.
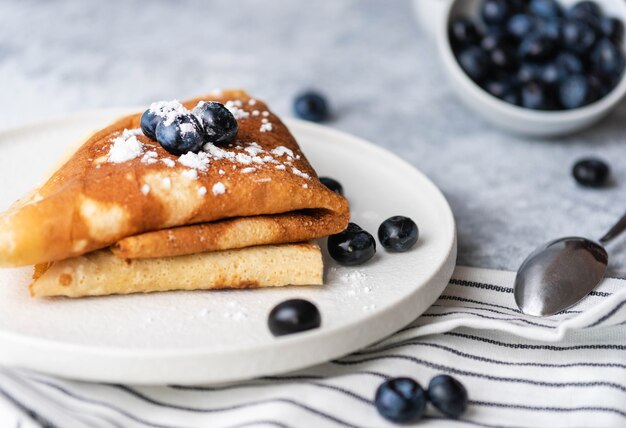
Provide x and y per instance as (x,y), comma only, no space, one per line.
(380,72)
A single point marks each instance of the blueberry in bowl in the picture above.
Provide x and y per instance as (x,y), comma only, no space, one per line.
(520,65)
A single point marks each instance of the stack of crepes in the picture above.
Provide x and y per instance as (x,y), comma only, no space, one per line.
(123,215)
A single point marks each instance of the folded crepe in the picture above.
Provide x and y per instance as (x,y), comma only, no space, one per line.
(100,272)
(123,194)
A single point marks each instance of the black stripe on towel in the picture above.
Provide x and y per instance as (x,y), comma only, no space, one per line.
(32,414)
(545,347)
(501,289)
(525,321)
(490,360)
(608,315)
(290,401)
(464,283)
(517,311)
(339,389)
(549,408)
(460,372)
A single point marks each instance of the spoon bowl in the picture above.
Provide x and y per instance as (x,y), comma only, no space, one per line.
(558,275)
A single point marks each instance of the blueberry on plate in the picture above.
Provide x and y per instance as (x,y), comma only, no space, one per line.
(612,28)
(398,234)
(463,32)
(536,47)
(311,106)
(332,184)
(547,9)
(353,246)
(220,125)
(591,172)
(155,114)
(534,96)
(180,133)
(574,92)
(495,12)
(400,400)
(521,25)
(293,316)
(448,395)
(475,62)
(578,36)
(607,58)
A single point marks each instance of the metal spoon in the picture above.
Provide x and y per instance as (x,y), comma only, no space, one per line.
(561,273)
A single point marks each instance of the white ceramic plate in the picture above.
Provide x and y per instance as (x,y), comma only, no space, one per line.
(218,336)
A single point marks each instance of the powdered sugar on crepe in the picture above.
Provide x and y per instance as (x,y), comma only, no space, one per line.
(198,161)
(218,189)
(126,146)
(250,156)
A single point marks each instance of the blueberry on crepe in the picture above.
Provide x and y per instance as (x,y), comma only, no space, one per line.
(133,212)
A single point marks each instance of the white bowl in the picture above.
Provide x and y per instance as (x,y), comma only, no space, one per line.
(512,118)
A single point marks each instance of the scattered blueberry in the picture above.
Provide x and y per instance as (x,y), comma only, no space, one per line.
(536,47)
(448,395)
(332,184)
(293,316)
(463,32)
(591,172)
(495,11)
(475,62)
(220,126)
(398,234)
(400,400)
(353,246)
(180,134)
(520,25)
(545,8)
(311,106)
(612,28)
(574,92)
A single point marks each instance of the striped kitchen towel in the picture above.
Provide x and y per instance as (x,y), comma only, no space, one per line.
(568,370)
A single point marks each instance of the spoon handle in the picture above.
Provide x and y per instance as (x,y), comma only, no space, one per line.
(616,230)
